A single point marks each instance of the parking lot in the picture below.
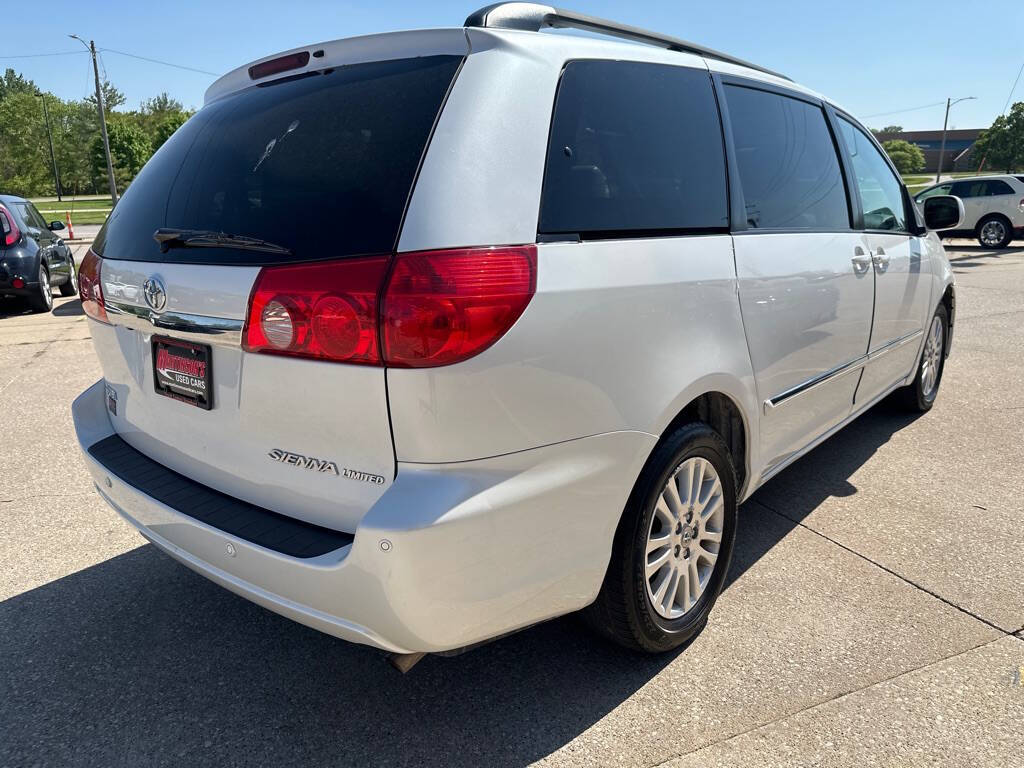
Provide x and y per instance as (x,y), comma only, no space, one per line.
(874,613)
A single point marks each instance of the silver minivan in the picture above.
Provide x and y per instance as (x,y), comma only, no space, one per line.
(425,337)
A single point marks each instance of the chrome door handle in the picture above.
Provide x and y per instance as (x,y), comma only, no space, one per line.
(880,260)
(861,261)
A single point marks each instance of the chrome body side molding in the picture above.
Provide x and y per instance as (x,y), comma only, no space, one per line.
(198,328)
(854,365)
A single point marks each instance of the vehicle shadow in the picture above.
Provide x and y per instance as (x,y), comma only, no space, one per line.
(823,473)
(137,660)
(11,306)
(69,309)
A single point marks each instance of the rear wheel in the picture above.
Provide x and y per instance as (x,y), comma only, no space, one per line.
(41,300)
(920,395)
(70,288)
(673,545)
(994,232)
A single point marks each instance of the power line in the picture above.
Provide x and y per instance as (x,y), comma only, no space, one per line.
(158,61)
(1014,88)
(901,111)
(39,55)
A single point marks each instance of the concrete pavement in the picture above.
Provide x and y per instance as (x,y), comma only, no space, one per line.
(873,615)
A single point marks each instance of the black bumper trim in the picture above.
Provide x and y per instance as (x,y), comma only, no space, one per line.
(234,517)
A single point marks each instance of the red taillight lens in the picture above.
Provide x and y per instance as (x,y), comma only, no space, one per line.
(89,287)
(280,64)
(441,307)
(326,310)
(438,308)
(9,232)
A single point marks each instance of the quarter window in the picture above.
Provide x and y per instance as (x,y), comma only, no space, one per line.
(881,193)
(787,162)
(982,188)
(634,149)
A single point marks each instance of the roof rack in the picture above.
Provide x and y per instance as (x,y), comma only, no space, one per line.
(533,17)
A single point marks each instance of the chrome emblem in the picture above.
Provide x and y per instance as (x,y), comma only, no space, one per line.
(156,296)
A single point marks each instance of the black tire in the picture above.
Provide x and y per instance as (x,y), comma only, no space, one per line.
(916,397)
(41,300)
(70,287)
(623,610)
(996,221)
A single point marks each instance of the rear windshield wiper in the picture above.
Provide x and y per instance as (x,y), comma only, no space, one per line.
(205,238)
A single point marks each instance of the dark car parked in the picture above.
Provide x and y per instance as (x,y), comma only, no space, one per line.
(33,258)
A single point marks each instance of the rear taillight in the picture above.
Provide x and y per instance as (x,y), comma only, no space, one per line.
(8,228)
(89,287)
(441,307)
(326,310)
(437,308)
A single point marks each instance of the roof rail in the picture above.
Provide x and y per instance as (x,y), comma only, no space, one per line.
(533,17)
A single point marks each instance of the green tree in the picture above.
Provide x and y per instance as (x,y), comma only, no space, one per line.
(905,156)
(166,127)
(129,150)
(888,129)
(112,98)
(1002,145)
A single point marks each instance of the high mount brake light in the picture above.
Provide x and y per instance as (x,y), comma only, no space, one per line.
(435,308)
(90,288)
(280,64)
(9,232)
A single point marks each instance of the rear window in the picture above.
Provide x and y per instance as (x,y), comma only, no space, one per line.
(321,164)
(634,149)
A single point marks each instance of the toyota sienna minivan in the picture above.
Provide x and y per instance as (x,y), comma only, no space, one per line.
(425,337)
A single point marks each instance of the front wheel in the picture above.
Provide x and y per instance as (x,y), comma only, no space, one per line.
(41,300)
(672,547)
(919,396)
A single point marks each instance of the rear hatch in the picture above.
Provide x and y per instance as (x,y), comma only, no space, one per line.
(320,164)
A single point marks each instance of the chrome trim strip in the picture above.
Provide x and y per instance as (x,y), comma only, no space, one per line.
(853,365)
(817,381)
(199,328)
(894,344)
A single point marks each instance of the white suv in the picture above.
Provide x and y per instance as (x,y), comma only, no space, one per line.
(993,207)
(421,338)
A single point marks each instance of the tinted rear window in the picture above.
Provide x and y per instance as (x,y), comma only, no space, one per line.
(787,161)
(321,164)
(634,148)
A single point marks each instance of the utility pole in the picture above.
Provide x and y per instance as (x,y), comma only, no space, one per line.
(49,136)
(103,119)
(942,147)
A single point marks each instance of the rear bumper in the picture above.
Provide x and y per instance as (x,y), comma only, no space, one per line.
(450,555)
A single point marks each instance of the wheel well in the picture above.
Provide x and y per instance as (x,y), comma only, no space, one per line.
(720,413)
(990,216)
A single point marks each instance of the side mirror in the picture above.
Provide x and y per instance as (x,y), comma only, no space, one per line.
(943,212)
(55,225)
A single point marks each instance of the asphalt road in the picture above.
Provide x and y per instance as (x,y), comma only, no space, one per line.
(874,613)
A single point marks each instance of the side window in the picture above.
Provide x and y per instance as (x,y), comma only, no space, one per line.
(787,162)
(965,189)
(38,217)
(995,187)
(881,194)
(942,189)
(29,217)
(634,147)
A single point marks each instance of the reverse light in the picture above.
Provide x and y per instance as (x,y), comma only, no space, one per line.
(415,310)
(89,288)
(8,228)
(325,310)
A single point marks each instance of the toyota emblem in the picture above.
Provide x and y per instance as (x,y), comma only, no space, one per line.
(156,296)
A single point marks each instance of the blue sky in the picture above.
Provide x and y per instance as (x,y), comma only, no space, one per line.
(871,57)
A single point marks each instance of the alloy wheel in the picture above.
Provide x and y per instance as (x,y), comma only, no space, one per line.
(931,358)
(45,289)
(684,538)
(993,232)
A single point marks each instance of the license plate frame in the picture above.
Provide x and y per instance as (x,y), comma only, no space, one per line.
(187,371)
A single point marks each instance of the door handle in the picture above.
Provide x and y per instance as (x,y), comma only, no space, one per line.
(880,260)
(861,261)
